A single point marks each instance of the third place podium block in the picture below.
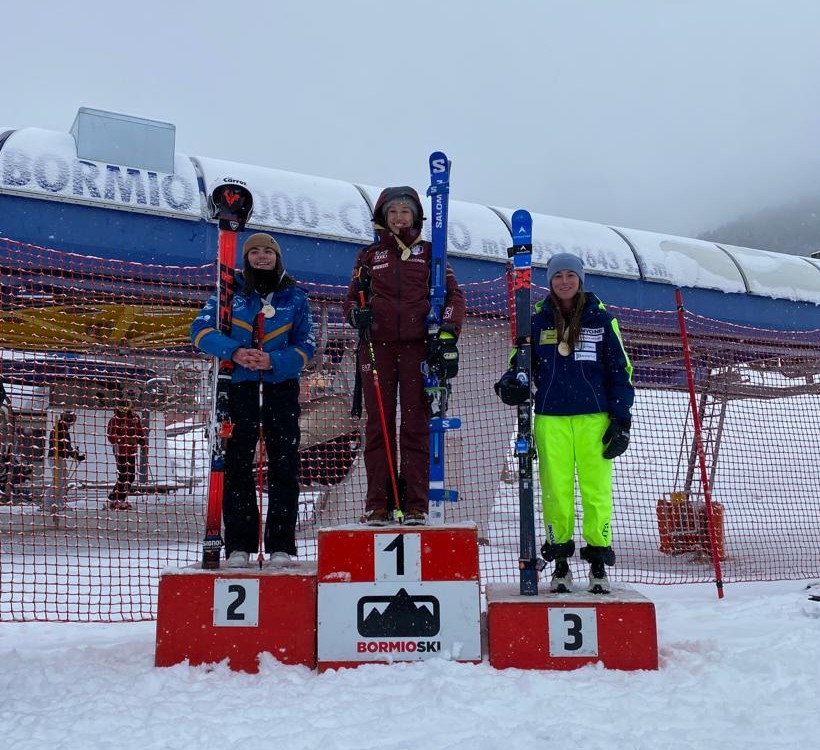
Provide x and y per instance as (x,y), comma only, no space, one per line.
(567,631)
(398,593)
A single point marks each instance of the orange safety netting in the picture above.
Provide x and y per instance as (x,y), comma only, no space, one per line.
(80,334)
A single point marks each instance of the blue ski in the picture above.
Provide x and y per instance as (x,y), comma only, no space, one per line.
(436,387)
(521,254)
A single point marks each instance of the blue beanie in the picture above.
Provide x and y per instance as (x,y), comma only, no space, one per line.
(564,262)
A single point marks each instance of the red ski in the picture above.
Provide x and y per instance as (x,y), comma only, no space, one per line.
(230,203)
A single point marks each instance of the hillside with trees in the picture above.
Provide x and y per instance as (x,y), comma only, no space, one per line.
(792,228)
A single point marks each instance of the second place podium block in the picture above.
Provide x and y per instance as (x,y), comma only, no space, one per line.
(207,616)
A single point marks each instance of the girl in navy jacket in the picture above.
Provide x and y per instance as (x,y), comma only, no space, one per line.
(583,398)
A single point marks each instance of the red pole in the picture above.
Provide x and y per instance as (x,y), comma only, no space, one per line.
(511,302)
(704,478)
(397,514)
(259,335)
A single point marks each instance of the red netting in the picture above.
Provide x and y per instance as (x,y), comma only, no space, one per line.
(81,334)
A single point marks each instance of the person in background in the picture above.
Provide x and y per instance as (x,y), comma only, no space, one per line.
(126,435)
(271,341)
(6,444)
(583,401)
(60,449)
(394,276)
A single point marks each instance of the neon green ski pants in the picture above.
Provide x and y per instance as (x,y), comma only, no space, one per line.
(564,443)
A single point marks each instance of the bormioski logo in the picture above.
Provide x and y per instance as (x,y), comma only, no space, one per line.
(398,616)
(398,647)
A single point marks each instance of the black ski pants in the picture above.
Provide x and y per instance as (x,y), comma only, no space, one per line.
(126,473)
(280,425)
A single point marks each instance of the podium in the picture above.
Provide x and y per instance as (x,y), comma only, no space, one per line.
(398,593)
(207,616)
(568,631)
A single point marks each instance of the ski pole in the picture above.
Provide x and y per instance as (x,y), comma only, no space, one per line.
(397,513)
(258,334)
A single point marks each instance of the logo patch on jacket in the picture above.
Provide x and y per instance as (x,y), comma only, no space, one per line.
(548,336)
(592,334)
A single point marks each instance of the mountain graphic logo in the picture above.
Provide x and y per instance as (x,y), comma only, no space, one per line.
(403,616)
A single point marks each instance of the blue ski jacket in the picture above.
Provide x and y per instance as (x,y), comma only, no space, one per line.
(288,335)
(595,378)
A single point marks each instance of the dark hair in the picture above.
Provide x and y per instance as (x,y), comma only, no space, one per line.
(276,279)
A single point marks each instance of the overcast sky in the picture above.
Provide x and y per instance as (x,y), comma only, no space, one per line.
(674,116)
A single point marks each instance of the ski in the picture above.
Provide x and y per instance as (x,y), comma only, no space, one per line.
(230,203)
(521,254)
(436,386)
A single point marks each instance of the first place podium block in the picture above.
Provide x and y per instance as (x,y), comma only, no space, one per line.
(206,616)
(568,631)
(398,593)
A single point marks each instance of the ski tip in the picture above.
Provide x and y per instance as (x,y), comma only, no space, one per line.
(521,217)
(439,165)
(521,228)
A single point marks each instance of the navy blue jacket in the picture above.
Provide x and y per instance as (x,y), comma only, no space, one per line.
(596,377)
(288,335)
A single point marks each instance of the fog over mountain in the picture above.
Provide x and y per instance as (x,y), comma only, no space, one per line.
(792,228)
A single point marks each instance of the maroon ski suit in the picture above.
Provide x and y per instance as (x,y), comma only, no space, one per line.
(126,434)
(396,272)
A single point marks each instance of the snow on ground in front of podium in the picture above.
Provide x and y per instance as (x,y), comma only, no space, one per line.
(739,673)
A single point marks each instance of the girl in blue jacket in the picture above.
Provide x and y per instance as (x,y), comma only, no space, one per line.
(583,397)
(271,341)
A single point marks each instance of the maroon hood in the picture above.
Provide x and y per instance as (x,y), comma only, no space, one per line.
(391,193)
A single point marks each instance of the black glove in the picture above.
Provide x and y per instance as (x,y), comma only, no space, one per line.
(360,317)
(80,457)
(444,355)
(513,388)
(616,437)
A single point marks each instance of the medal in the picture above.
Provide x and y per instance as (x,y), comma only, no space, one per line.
(563,347)
(268,310)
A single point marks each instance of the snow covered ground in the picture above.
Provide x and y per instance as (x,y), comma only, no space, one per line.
(743,672)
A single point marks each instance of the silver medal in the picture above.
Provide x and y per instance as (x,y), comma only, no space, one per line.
(268,310)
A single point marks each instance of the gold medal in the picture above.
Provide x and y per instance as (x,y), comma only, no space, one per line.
(268,310)
(563,347)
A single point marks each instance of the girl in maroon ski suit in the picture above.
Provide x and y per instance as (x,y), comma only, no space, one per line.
(394,276)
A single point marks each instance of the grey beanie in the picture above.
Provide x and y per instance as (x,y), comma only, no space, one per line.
(564,262)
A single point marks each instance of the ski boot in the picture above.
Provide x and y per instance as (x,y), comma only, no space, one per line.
(562,576)
(598,557)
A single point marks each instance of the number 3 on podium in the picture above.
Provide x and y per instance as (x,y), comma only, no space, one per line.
(573,631)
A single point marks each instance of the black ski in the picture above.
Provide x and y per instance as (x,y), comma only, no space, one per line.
(521,254)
